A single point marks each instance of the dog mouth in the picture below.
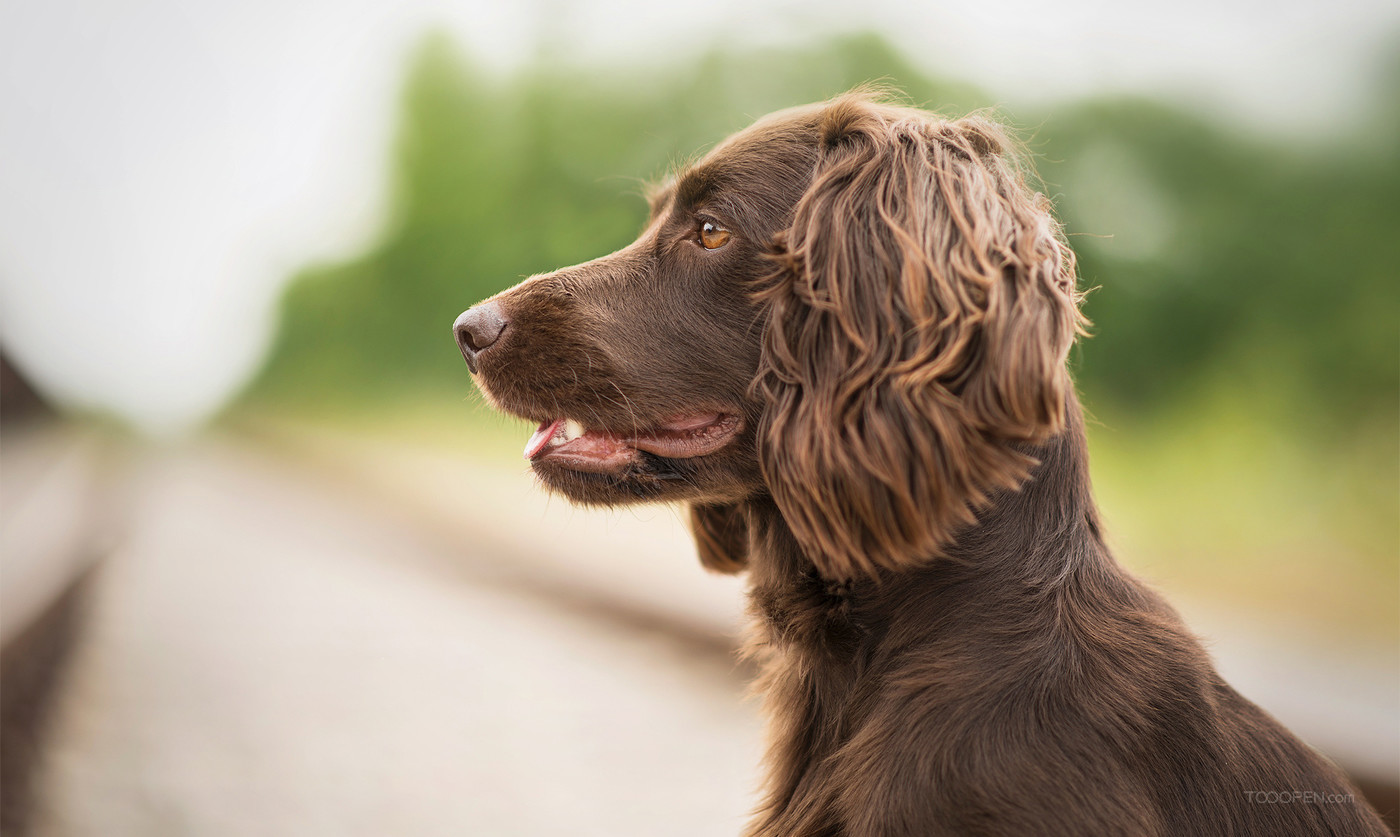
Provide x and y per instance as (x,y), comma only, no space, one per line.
(568,442)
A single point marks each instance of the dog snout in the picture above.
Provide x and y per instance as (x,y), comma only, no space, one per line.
(477,329)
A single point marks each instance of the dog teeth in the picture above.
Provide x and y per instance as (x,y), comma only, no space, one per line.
(573,430)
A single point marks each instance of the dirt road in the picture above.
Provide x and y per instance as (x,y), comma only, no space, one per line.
(322,637)
(266,657)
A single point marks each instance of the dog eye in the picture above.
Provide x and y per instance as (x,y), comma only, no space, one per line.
(713,236)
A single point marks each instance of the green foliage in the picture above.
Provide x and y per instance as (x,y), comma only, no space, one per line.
(1271,266)
(496,181)
(1219,257)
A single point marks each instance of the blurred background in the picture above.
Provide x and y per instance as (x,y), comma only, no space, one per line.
(270,566)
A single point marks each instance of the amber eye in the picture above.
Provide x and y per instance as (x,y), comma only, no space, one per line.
(713,236)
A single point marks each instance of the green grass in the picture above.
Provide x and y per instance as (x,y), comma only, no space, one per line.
(453,423)
(1218,501)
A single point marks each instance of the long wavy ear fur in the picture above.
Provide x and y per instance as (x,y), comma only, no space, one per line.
(721,536)
(918,324)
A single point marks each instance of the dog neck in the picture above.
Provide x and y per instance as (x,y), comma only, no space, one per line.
(1049,526)
(1027,540)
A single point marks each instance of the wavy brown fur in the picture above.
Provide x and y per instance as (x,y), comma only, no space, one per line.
(892,402)
(947,646)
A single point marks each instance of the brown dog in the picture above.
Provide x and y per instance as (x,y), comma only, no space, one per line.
(842,338)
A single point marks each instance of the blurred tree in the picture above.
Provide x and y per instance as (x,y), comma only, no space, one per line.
(1262,262)
(1217,254)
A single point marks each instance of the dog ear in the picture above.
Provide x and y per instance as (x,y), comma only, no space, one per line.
(721,536)
(917,327)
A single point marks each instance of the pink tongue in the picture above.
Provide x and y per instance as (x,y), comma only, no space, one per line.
(542,436)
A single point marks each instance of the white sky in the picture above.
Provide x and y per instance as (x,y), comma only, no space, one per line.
(165,165)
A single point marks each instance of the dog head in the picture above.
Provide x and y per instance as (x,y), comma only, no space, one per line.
(857,309)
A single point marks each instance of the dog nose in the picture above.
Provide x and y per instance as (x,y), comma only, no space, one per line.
(477,329)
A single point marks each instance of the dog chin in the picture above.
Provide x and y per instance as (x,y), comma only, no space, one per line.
(592,486)
(723,477)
